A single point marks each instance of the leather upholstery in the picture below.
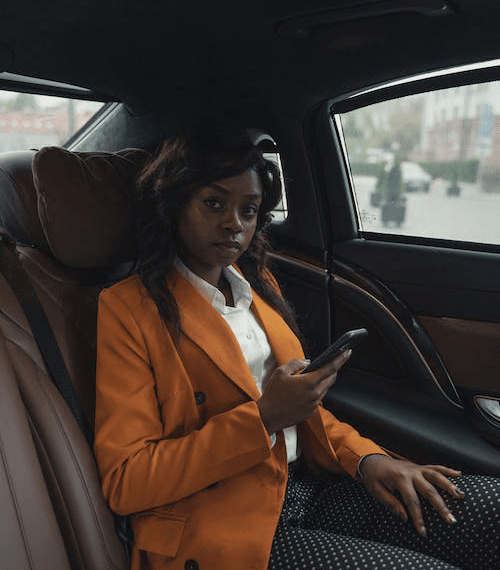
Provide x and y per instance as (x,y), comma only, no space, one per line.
(18,201)
(79,228)
(53,514)
(27,540)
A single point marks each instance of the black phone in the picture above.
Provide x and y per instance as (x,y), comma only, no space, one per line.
(350,339)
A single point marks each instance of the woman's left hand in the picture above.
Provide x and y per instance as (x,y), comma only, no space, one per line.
(383,476)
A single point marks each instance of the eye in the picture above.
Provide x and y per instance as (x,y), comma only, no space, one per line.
(214,203)
(251,210)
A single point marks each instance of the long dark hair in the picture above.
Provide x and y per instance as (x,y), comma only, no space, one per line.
(184,163)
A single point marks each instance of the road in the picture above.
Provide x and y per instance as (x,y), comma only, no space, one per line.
(471,216)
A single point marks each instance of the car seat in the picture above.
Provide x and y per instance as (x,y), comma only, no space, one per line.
(70,216)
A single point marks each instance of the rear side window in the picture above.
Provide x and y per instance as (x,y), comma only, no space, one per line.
(281,211)
(270,152)
(29,121)
(428,165)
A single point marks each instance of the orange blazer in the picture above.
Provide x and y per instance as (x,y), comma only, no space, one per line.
(179,441)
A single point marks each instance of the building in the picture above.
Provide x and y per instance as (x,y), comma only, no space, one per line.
(464,123)
(30,129)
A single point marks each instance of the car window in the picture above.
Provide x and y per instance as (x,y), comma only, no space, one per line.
(281,211)
(428,165)
(33,121)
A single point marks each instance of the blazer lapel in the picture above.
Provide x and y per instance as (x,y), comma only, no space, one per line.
(284,344)
(207,328)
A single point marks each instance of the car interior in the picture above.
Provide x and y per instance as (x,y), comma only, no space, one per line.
(339,93)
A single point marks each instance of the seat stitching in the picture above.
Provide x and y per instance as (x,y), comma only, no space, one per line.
(55,415)
(16,323)
(16,504)
(76,463)
(39,444)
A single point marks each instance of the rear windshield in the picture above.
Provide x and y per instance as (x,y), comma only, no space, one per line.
(29,121)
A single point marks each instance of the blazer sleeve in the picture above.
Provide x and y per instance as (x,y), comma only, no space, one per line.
(348,444)
(141,467)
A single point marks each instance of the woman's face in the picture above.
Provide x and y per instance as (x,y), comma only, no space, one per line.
(218,223)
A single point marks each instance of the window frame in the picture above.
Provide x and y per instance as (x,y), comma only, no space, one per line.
(334,108)
(38,86)
(269,146)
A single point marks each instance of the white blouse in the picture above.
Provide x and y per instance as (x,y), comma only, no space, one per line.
(248,332)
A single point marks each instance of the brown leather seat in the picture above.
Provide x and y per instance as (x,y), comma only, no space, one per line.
(70,214)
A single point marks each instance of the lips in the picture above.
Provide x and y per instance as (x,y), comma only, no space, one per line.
(229,245)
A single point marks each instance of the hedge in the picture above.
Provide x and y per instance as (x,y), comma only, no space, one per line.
(367,168)
(461,170)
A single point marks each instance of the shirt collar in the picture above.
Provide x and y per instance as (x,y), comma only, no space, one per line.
(240,287)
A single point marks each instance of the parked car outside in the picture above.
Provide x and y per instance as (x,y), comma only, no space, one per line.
(415,178)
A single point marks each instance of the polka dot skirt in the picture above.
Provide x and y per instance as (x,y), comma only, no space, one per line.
(335,523)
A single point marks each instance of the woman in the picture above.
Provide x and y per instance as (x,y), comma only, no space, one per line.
(206,432)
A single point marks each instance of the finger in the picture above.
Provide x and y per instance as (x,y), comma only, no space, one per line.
(294,366)
(437,478)
(320,390)
(430,493)
(414,508)
(445,470)
(331,367)
(389,501)
(340,360)
(327,383)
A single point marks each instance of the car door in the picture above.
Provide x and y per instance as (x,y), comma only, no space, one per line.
(420,268)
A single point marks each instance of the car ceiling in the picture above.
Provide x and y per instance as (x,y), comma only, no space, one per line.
(195,54)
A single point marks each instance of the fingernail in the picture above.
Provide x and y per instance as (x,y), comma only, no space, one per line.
(347,353)
(459,491)
(422,531)
(451,519)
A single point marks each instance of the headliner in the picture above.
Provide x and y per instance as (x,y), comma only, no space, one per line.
(151,53)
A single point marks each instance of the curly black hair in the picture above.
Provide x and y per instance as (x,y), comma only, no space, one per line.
(184,163)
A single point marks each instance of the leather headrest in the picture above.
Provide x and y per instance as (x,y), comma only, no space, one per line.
(78,205)
(18,199)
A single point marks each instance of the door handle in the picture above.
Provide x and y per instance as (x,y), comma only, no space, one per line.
(489,407)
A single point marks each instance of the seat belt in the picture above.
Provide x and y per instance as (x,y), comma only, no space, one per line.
(20,283)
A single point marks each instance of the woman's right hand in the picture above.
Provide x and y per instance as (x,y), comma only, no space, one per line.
(290,398)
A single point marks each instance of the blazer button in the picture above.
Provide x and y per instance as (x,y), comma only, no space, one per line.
(191,565)
(199,398)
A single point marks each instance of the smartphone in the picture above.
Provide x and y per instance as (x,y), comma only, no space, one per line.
(350,339)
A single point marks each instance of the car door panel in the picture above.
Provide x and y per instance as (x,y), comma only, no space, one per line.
(470,350)
(305,285)
(410,423)
(388,390)
(455,297)
(435,281)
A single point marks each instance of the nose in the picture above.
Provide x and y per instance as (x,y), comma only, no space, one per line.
(232,222)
